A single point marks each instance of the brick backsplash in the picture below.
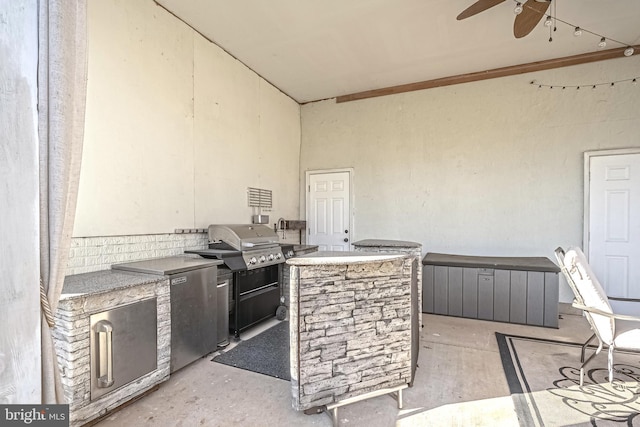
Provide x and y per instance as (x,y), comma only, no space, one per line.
(89,254)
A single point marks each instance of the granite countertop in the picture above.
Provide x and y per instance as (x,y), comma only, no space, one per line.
(387,243)
(80,285)
(341,258)
(500,263)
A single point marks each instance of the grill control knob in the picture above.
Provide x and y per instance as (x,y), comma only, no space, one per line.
(278,255)
(271,257)
(262,258)
(290,253)
(253,260)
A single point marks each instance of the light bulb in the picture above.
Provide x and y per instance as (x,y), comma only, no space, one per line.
(518,9)
(577,32)
(603,43)
(548,22)
(628,51)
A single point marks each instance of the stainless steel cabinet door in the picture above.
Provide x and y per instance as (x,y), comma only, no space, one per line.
(193,315)
(123,344)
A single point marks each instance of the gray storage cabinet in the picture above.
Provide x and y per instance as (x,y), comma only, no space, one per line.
(505,289)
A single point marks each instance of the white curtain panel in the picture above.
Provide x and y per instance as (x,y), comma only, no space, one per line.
(62,86)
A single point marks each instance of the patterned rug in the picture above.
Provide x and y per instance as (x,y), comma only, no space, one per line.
(544,381)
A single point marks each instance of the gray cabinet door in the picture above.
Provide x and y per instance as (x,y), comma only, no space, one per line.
(535,298)
(427,288)
(441,290)
(551,299)
(518,302)
(485,296)
(455,291)
(470,292)
(501,295)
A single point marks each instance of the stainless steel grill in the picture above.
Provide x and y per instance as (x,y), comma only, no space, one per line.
(258,244)
(253,254)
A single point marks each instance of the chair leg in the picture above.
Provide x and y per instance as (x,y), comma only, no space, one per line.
(610,364)
(584,347)
(595,353)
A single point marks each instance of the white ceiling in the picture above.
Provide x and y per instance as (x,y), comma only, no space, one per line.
(313,50)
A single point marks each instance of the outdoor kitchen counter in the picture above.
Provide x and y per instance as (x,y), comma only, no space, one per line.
(350,328)
(341,258)
(87,294)
(99,282)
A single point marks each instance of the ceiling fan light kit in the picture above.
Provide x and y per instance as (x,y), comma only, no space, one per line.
(628,51)
(577,32)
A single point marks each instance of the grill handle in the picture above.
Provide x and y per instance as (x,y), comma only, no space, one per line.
(253,245)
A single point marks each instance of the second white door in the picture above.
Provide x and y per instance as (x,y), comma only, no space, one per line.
(614,223)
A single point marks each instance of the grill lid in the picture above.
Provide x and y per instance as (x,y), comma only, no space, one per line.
(243,236)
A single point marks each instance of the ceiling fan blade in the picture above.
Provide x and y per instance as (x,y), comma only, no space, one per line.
(477,7)
(532,13)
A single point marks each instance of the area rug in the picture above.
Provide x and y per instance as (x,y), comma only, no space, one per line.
(544,381)
(266,353)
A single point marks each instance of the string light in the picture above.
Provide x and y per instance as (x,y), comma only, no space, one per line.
(552,19)
(633,81)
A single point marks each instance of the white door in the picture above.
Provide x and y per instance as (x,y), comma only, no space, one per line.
(614,223)
(329,210)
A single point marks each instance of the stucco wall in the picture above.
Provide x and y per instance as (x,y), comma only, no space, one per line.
(484,168)
(176,129)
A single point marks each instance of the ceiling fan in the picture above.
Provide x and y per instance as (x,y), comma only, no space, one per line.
(528,13)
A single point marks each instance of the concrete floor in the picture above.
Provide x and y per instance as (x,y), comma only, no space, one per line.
(459,382)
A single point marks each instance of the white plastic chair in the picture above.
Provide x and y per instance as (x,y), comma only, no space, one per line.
(616,331)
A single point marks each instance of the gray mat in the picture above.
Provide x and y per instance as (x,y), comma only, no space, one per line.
(266,353)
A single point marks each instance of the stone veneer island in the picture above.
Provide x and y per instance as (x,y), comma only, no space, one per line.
(350,327)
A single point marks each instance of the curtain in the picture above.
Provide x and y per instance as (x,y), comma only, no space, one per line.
(62,71)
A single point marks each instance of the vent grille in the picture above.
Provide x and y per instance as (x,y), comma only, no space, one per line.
(259,198)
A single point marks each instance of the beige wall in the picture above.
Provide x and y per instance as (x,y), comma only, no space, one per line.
(484,168)
(176,129)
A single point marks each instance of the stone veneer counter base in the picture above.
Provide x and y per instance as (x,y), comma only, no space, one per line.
(91,293)
(350,326)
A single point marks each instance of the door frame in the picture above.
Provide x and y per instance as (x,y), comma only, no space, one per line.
(307,193)
(588,155)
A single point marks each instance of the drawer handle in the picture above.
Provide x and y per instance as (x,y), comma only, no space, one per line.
(104,328)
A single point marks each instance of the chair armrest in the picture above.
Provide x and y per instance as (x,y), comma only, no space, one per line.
(604,313)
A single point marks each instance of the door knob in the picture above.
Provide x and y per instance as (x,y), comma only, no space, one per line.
(346,240)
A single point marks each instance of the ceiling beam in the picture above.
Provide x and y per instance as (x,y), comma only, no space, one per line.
(530,67)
